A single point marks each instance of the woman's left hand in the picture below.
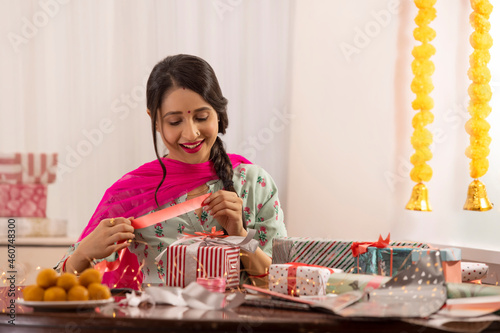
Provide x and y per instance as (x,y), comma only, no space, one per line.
(227,208)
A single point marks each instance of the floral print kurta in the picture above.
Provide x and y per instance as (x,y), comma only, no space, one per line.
(261,211)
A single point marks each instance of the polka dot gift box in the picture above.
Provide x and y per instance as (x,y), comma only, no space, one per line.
(473,271)
(298,279)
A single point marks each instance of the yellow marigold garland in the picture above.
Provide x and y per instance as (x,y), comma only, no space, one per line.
(480,94)
(422,68)
(479,90)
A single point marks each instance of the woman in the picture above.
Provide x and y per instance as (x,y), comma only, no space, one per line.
(187,110)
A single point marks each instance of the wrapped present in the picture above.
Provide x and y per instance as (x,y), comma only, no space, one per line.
(205,255)
(472,271)
(450,262)
(384,261)
(299,280)
(28,168)
(323,252)
(36,227)
(23,200)
(182,266)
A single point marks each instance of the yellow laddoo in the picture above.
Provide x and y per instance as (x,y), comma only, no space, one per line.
(67,281)
(54,294)
(33,293)
(98,291)
(78,293)
(46,278)
(90,275)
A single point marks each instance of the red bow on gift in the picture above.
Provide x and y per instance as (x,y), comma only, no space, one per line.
(360,248)
(212,234)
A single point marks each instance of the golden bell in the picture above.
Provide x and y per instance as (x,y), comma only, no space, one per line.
(477,199)
(419,199)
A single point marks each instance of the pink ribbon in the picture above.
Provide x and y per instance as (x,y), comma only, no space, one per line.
(151,219)
(169,212)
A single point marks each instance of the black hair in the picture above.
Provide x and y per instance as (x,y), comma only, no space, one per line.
(193,73)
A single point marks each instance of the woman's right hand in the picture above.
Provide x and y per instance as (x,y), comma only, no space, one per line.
(111,235)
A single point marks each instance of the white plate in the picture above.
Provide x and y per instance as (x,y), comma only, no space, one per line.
(77,305)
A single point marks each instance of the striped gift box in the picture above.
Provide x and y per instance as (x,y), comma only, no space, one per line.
(211,261)
(28,168)
(322,252)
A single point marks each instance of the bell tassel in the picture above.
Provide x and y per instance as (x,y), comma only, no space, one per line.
(419,200)
(477,199)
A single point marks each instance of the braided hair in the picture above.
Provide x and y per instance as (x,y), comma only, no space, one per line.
(193,73)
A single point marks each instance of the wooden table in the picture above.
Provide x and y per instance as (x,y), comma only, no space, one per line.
(112,318)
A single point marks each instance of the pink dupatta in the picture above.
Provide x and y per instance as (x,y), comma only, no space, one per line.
(133,195)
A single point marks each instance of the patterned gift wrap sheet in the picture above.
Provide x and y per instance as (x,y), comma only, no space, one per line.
(323,252)
(450,261)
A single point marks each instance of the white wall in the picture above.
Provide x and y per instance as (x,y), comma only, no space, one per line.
(347,171)
(84,62)
(350,144)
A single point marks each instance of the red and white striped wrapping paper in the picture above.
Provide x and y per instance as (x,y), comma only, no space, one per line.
(23,200)
(212,261)
(28,168)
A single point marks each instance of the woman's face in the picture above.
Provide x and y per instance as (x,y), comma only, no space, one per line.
(188,126)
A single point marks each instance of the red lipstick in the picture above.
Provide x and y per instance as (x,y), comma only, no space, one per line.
(192,147)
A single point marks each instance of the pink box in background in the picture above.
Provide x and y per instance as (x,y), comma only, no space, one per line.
(211,262)
(28,168)
(23,200)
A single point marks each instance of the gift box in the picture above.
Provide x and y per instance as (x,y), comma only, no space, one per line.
(299,280)
(450,262)
(36,227)
(472,271)
(385,261)
(183,266)
(28,168)
(323,252)
(23,200)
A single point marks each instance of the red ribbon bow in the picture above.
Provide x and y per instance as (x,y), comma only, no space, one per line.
(361,247)
(212,234)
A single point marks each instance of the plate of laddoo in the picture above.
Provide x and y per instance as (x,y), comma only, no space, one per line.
(66,291)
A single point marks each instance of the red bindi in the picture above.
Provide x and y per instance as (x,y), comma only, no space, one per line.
(189,111)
